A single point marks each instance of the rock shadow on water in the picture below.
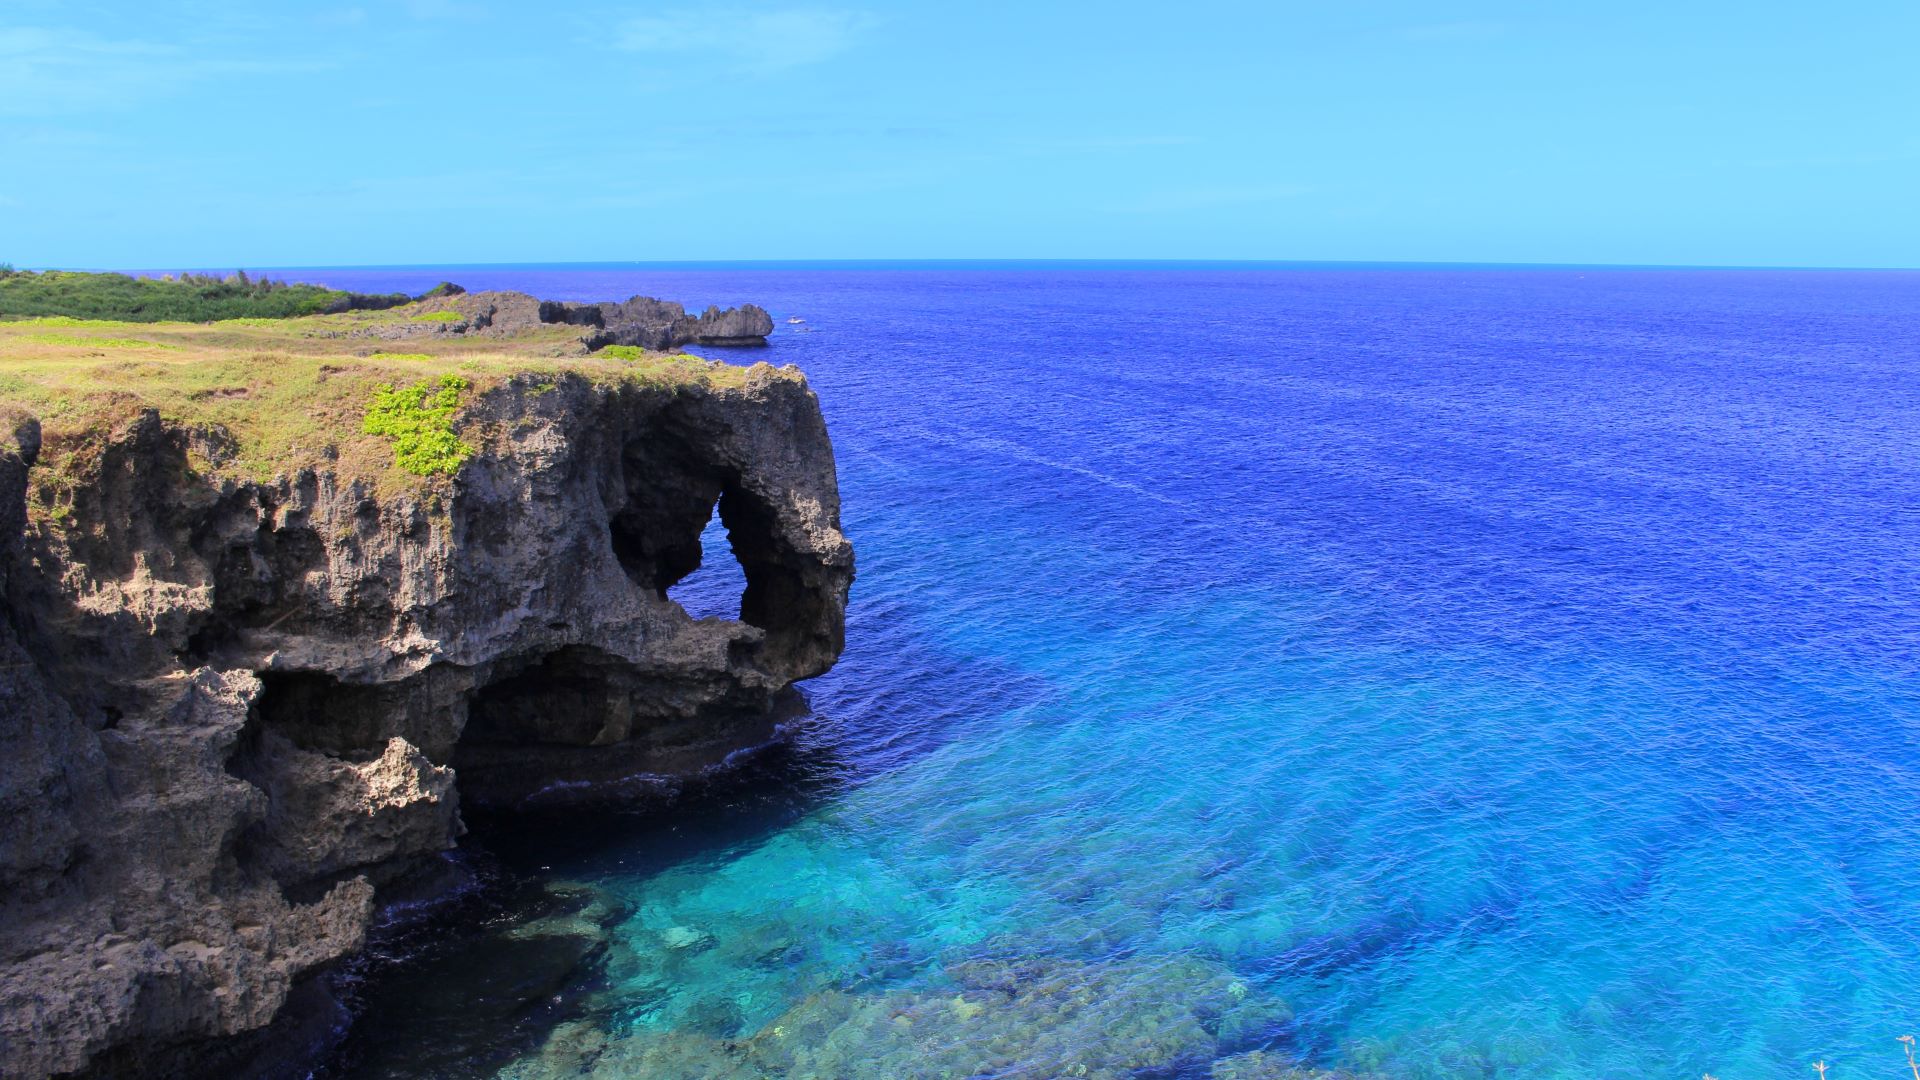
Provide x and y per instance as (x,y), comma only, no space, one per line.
(640,821)
(488,974)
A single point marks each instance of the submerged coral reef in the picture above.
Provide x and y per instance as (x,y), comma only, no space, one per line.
(1021,1018)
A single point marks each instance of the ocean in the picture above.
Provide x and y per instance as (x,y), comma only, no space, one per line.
(1436,672)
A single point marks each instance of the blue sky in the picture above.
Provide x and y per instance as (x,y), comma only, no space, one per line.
(226,134)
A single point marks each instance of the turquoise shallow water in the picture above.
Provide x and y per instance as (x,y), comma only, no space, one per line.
(1512,672)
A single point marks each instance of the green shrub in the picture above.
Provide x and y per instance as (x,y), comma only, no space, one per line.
(628,353)
(439,316)
(419,420)
(187,298)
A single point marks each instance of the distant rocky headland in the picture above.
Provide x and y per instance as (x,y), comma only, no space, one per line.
(285,590)
(447,308)
(641,322)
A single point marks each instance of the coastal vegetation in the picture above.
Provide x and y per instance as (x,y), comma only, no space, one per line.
(419,420)
(185,297)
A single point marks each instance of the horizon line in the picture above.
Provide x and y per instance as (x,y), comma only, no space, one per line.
(991,264)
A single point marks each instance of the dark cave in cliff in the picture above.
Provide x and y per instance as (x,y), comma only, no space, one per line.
(575,696)
(316,711)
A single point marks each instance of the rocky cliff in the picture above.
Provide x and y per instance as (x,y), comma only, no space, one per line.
(232,707)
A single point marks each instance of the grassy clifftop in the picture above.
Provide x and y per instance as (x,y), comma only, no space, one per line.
(339,392)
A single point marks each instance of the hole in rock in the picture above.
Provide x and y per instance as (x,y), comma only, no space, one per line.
(714,589)
(665,530)
(778,598)
(656,533)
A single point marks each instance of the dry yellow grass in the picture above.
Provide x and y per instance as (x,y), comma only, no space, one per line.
(291,393)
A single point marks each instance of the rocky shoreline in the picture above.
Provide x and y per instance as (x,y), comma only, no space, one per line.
(639,322)
(244,712)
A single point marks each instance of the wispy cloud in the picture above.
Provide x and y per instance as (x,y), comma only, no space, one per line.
(47,70)
(1175,200)
(441,9)
(1074,143)
(418,10)
(1464,30)
(41,45)
(51,70)
(761,42)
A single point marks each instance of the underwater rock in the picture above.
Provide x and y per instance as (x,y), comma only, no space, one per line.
(684,937)
(584,911)
(1018,1019)
(1261,1065)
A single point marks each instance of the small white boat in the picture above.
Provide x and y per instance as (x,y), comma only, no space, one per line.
(794,320)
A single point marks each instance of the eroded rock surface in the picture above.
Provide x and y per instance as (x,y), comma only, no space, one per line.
(232,709)
(641,321)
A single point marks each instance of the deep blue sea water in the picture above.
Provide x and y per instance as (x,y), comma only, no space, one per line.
(1514,671)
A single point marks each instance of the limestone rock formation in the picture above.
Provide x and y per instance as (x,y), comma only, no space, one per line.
(642,321)
(662,324)
(230,708)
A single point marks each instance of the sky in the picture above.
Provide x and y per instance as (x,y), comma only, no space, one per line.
(168,135)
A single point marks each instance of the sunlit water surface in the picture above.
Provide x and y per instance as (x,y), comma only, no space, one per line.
(1511,672)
